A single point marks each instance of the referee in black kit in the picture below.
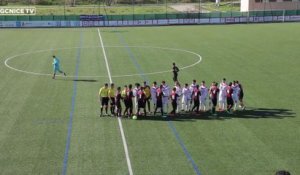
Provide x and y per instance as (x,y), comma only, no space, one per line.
(175,72)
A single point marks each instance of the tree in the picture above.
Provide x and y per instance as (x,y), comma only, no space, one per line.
(108,2)
(3,2)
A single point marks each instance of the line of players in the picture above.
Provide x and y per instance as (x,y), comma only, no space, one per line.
(188,98)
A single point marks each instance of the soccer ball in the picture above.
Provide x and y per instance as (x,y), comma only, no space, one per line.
(134,117)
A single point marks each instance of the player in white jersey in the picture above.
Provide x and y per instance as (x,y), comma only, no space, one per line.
(222,94)
(153,93)
(192,87)
(203,96)
(235,94)
(186,97)
(135,94)
(166,94)
(179,93)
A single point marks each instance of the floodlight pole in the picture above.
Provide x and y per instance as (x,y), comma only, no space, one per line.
(132,10)
(283,15)
(264,10)
(297,7)
(65,8)
(199,8)
(99,9)
(166,8)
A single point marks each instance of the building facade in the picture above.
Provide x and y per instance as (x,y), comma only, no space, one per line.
(268,5)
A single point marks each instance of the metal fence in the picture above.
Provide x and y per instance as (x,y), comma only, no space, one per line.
(155,16)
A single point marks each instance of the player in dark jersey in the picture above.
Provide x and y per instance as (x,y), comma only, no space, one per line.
(174,96)
(111,94)
(213,95)
(175,72)
(229,93)
(241,95)
(282,172)
(128,101)
(147,92)
(118,102)
(141,101)
(195,96)
(159,100)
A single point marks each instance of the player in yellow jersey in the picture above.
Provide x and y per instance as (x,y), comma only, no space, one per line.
(103,95)
(148,95)
(111,94)
(123,92)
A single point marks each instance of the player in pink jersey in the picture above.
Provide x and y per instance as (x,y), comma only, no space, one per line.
(213,95)
(196,96)
(141,96)
(203,96)
(174,100)
(159,100)
(229,92)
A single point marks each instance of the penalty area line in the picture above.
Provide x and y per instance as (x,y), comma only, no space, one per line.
(119,120)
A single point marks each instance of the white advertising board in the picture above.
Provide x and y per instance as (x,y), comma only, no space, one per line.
(243,19)
(268,18)
(139,22)
(215,20)
(38,24)
(294,18)
(203,21)
(173,21)
(91,23)
(189,21)
(148,22)
(232,20)
(155,22)
(162,22)
(8,24)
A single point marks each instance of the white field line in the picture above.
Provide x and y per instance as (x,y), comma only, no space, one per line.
(119,120)
(104,54)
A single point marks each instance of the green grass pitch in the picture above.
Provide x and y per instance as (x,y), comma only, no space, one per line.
(35,110)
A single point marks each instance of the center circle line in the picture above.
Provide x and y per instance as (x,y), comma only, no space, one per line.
(99,76)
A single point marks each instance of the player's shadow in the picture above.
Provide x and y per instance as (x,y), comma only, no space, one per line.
(249,113)
(85,80)
(77,80)
(257,113)
(115,31)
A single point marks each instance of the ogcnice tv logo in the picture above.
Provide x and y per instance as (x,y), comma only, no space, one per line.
(17,10)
